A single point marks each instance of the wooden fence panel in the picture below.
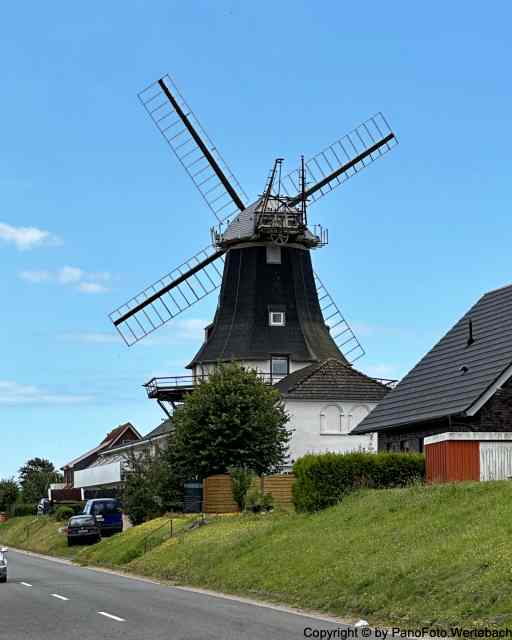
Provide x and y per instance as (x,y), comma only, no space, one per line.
(218,495)
(281,489)
(218,492)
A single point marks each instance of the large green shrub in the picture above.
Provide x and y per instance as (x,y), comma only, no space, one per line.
(64,513)
(76,506)
(241,480)
(233,419)
(322,480)
(23,509)
(9,491)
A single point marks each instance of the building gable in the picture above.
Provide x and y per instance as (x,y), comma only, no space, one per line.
(459,374)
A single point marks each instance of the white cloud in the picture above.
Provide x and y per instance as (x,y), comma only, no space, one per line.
(67,275)
(25,238)
(35,276)
(92,287)
(176,331)
(14,393)
(79,279)
(93,337)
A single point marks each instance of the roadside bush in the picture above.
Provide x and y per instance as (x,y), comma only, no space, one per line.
(64,513)
(258,501)
(23,509)
(241,480)
(323,480)
(9,492)
(75,505)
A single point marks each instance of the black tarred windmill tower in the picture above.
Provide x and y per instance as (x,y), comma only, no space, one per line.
(274,313)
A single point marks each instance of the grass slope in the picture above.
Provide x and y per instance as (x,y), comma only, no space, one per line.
(36,534)
(42,535)
(122,548)
(424,555)
(435,556)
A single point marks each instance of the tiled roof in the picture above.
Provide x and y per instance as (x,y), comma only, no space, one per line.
(163,428)
(106,443)
(115,433)
(453,375)
(331,380)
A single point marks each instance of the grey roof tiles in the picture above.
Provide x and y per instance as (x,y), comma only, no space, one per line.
(453,375)
(331,379)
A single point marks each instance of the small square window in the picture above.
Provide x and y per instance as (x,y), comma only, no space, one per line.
(273,255)
(276,318)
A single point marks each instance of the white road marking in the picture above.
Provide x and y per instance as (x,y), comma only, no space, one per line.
(109,615)
(25,584)
(56,595)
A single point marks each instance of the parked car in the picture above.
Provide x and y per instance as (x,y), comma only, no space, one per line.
(3,564)
(83,527)
(108,514)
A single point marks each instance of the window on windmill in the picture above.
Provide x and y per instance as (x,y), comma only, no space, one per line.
(279,366)
(277,318)
(273,254)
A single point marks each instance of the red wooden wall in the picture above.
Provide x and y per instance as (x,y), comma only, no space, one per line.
(452,461)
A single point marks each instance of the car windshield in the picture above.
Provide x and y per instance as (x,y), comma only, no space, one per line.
(104,508)
(80,521)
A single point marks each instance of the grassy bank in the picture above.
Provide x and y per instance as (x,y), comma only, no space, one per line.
(42,535)
(435,556)
(418,556)
(39,534)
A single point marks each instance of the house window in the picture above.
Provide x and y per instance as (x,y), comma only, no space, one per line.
(276,318)
(279,366)
(332,420)
(356,415)
(273,255)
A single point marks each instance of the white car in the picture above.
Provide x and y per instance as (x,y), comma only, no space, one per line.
(3,564)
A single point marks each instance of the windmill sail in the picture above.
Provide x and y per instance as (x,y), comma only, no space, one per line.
(341,160)
(196,152)
(340,330)
(168,297)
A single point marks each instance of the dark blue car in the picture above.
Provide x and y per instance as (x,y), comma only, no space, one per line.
(108,514)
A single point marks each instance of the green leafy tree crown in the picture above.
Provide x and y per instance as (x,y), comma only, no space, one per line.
(231,420)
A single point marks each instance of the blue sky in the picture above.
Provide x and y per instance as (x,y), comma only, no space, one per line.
(414,240)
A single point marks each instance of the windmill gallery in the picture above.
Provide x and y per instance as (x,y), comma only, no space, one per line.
(274,313)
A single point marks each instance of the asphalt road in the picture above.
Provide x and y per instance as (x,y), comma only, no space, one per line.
(44,599)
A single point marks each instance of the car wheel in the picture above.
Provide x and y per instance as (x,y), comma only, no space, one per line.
(70,542)
(3,578)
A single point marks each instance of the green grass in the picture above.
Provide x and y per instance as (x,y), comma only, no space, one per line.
(122,548)
(434,556)
(42,535)
(39,534)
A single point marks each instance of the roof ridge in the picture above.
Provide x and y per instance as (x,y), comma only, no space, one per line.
(356,371)
(315,367)
(505,286)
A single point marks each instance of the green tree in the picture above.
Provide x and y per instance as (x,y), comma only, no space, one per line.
(145,490)
(241,481)
(9,492)
(232,420)
(36,475)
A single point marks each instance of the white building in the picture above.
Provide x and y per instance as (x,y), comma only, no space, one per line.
(326,401)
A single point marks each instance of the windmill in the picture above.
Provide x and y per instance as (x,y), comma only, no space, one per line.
(274,312)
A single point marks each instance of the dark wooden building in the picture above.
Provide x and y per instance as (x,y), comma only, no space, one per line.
(464,383)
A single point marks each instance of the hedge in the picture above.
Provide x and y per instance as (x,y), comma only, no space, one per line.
(321,480)
(64,513)
(75,506)
(23,509)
